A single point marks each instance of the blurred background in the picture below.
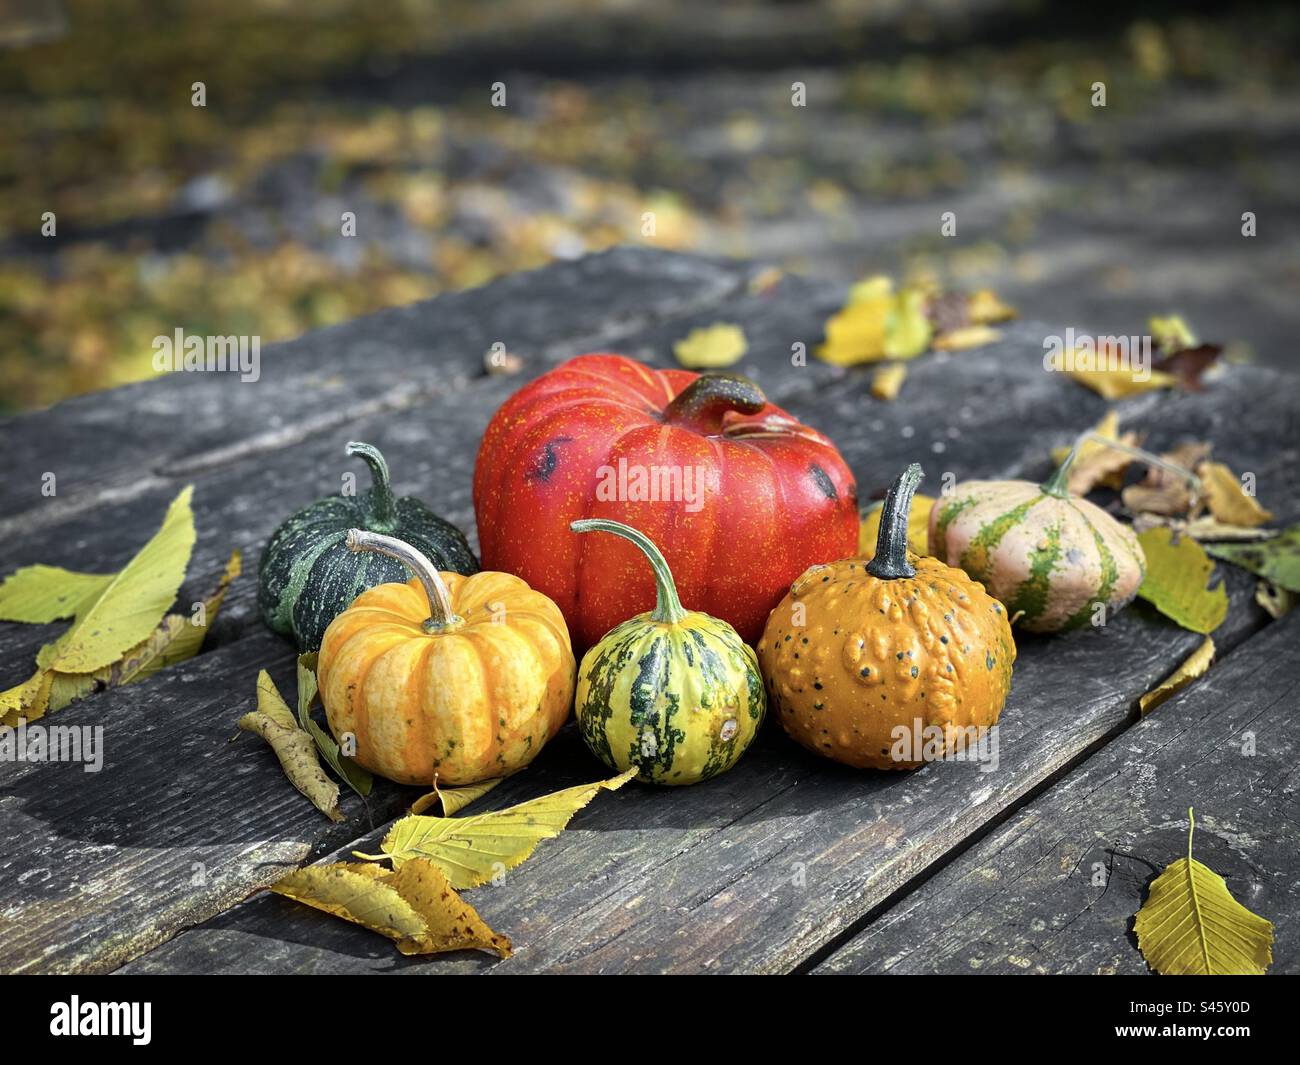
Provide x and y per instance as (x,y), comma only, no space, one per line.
(225,219)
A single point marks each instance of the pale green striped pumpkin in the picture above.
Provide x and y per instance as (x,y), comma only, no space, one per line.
(1050,557)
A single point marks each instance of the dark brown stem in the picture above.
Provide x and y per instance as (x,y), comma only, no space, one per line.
(890,562)
(702,404)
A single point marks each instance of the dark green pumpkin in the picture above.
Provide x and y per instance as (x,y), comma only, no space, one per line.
(307,574)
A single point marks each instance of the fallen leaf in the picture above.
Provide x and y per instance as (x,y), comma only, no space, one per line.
(1188,366)
(415,906)
(856,333)
(907,327)
(356,778)
(1192,667)
(1096,463)
(27,701)
(1276,560)
(1227,499)
(765,281)
(1176,578)
(1190,925)
(1170,334)
(453,800)
(1115,384)
(711,347)
(472,850)
(1208,529)
(133,603)
(983,307)
(1275,601)
(39,594)
(1164,492)
(918,527)
(275,723)
(967,336)
(887,380)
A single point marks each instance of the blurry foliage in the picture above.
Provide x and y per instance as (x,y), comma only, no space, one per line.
(225,219)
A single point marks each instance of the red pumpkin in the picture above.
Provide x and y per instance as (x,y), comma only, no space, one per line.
(740,497)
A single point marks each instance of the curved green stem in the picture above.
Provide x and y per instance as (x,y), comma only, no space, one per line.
(702,404)
(890,561)
(383,509)
(1059,483)
(441,616)
(668,608)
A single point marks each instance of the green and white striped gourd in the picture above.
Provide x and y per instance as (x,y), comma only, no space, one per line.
(307,576)
(1050,557)
(674,692)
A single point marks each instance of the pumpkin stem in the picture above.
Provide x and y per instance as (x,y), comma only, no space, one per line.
(890,561)
(441,616)
(702,404)
(383,505)
(1059,483)
(668,608)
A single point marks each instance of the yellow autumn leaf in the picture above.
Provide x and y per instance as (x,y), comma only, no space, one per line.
(907,327)
(887,380)
(41,594)
(1171,334)
(453,800)
(711,347)
(1176,578)
(472,850)
(1192,667)
(1190,925)
(1115,384)
(275,723)
(966,337)
(918,527)
(983,307)
(856,333)
(1226,498)
(28,700)
(415,906)
(132,603)
(1275,601)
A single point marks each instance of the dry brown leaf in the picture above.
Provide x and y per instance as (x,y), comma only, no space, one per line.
(415,906)
(1192,667)
(1208,529)
(1097,464)
(1227,500)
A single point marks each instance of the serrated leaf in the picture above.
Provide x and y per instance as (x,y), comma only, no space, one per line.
(1227,499)
(133,603)
(711,347)
(1190,925)
(472,850)
(275,723)
(356,778)
(453,800)
(1276,560)
(415,906)
(40,594)
(1176,578)
(1192,667)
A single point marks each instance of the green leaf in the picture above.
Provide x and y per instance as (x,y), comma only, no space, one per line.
(274,722)
(1190,925)
(40,594)
(1176,578)
(1276,560)
(907,327)
(472,850)
(133,603)
(352,774)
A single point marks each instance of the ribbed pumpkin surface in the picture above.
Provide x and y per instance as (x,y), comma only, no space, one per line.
(469,704)
(1047,558)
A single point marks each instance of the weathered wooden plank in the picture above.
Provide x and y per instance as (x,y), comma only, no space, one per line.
(179,823)
(1055,889)
(117,444)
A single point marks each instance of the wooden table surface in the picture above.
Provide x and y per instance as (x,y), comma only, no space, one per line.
(786,863)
